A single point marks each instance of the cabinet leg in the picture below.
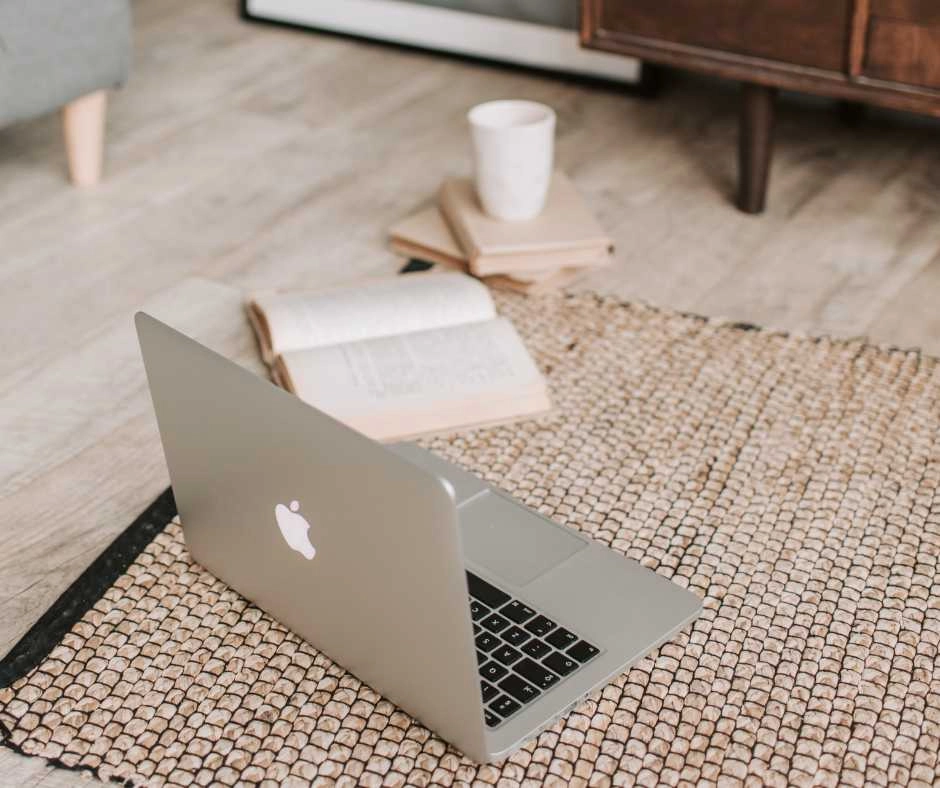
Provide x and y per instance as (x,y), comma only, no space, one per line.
(755,146)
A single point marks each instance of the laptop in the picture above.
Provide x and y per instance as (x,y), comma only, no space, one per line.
(483,619)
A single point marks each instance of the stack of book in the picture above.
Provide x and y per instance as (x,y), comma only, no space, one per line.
(542,254)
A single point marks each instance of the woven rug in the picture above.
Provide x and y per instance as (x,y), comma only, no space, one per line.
(790,482)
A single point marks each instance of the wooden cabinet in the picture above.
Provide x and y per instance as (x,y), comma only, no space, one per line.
(884,52)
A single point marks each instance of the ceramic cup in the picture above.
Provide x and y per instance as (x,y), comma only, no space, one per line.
(513,149)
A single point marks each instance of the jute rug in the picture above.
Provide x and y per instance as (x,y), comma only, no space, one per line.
(790,482)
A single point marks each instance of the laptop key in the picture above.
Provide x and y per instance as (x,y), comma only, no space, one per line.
(540,626)
(521,690)
(494,622)
(561,638)
(516,611)
(486,642)
(486,593)
(504,706)
(515,636)
(561,664)
(493,671)
(481,657)
(536,648)
(488,691)
(506,654)
(540,676)
(492,720)
(582,651)
(477,610)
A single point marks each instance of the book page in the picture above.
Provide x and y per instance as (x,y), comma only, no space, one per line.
(398,375)
(372,308)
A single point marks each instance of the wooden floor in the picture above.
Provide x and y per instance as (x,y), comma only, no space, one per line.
(244,156)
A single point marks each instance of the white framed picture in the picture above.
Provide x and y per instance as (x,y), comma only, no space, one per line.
(535,33)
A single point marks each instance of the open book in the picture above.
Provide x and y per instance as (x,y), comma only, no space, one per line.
(399,357)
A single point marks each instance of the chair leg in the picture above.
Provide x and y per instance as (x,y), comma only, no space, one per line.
(755,146)
(83,125)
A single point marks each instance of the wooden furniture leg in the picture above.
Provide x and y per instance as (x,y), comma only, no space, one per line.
(755,146)
(83,126)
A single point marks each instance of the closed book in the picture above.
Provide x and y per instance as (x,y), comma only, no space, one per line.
(564,235)
(425,236)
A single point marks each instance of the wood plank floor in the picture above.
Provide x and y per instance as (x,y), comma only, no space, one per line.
(244,156)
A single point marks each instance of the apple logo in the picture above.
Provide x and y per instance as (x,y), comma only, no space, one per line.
(294,529)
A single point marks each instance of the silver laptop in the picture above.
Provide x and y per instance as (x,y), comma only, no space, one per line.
(480,617)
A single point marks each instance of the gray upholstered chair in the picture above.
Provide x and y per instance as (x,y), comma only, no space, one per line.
(64,53)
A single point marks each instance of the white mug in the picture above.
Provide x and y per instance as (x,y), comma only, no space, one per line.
(513,146)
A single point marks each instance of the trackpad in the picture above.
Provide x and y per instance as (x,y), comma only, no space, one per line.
(512,542)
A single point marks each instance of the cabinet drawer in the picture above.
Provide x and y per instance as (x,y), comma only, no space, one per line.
(801,32)
(902,51)
(923,12)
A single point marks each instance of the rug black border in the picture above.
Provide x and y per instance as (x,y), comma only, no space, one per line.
(33,647)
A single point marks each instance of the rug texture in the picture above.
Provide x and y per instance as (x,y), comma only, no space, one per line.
(791,483)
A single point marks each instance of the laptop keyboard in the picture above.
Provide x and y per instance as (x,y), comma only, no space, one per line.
(520,652)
